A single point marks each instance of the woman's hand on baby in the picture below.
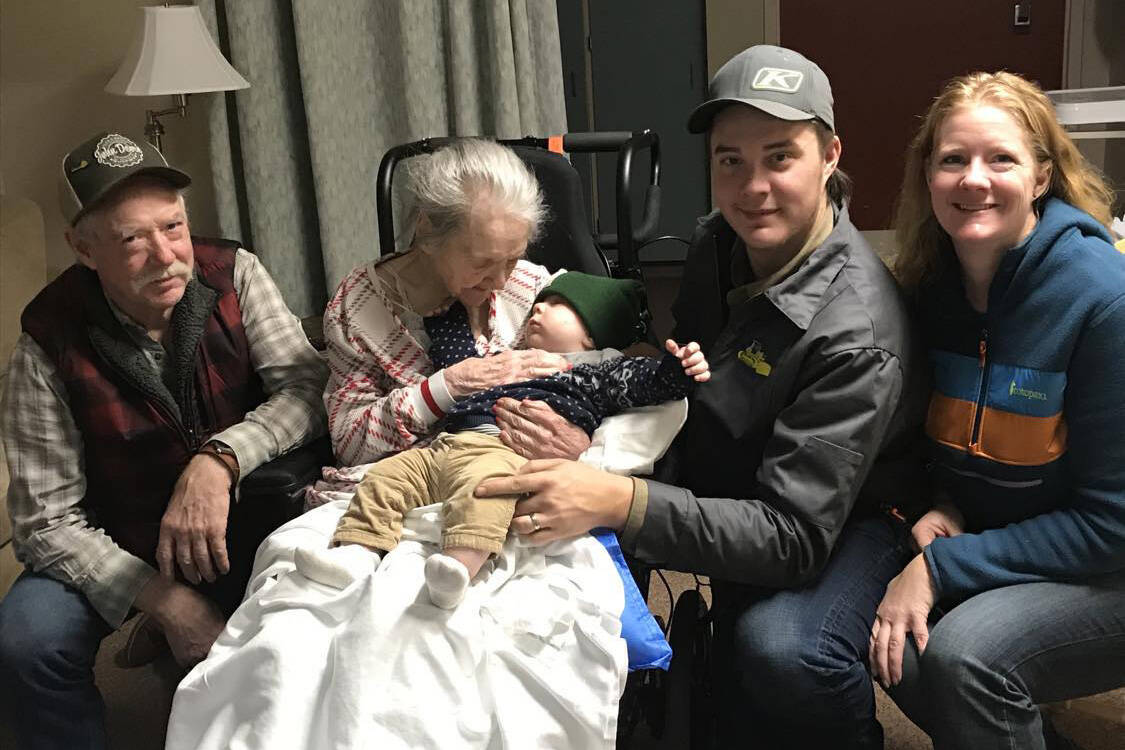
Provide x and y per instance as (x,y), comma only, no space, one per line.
(690,356)
(533,430)
(476,374)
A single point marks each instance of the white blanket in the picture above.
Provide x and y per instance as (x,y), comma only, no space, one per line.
(532,658)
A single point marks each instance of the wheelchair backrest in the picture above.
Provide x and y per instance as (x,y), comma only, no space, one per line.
(566,239)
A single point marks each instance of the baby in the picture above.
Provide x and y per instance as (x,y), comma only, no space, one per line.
(585,317)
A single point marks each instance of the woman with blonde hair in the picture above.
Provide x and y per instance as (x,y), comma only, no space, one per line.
(1017,595)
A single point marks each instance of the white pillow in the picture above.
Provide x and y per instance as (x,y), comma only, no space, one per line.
(633,441)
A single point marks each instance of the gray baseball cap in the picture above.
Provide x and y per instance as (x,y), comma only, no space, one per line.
(778,81)
(102,163)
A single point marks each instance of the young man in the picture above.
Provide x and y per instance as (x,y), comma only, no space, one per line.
(150,377)
(818,384)
(586,317)
(776,481)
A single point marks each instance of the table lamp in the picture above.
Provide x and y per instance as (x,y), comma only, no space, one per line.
(172,53)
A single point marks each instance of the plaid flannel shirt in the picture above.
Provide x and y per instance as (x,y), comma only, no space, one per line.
(51,532)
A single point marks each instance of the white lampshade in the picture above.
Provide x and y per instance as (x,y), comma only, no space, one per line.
(173,53)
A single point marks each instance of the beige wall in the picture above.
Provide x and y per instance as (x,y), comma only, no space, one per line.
(55,58)
(734,25)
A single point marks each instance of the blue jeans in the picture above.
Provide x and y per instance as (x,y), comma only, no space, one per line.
(49,636)
(793,662)
(995,656)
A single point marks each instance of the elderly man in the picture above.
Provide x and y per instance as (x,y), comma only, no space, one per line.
(150,377)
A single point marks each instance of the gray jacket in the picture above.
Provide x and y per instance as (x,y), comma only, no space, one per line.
(814,397)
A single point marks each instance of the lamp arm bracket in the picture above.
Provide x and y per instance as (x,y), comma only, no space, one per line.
(180,108)
(154,130)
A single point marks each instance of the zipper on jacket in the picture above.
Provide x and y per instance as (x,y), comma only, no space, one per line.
(978,412)
(187,434)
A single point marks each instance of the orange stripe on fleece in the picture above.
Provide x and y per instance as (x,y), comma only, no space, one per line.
(950,421)
(1006,438)
(1021,440)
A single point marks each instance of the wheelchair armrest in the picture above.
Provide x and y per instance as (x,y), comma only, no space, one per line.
(313,327)
(284,479)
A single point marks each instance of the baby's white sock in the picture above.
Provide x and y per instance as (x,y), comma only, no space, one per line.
(337,567)
(447,580)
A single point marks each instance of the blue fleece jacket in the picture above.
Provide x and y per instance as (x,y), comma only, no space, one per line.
(1027,418)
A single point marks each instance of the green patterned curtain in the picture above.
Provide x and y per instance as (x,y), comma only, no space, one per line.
(333,86)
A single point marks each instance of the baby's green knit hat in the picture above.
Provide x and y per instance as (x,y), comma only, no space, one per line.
(615,311)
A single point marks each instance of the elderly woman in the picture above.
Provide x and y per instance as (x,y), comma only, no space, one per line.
(1022,299)
(475,206)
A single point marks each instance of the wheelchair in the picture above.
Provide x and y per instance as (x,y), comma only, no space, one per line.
(274,493)
(674,706)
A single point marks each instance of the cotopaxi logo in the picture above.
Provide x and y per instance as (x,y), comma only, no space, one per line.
(1015,390)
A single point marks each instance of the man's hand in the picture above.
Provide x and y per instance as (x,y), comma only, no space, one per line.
(193,532)
(533,430)
(481,373)
(191,622)
(905,609)
(694,363)
(566,498)
(943,520)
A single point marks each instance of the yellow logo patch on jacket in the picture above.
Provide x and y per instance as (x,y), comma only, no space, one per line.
(754,358)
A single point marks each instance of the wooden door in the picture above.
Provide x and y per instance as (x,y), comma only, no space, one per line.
(888,59)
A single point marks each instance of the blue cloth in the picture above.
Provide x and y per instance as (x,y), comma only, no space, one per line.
(49,636)
(1049,349)
(791,664)
(645,641)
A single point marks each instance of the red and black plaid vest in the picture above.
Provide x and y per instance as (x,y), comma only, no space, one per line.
(138,432)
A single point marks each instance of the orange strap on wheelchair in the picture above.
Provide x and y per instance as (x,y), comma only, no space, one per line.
(555,143)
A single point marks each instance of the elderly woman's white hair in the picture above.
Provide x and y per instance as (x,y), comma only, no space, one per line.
(444,187)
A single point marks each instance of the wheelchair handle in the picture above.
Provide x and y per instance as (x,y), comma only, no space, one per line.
(626,239)
(626,144)
(586,143)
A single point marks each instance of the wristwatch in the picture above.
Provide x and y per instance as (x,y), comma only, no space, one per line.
(225,455)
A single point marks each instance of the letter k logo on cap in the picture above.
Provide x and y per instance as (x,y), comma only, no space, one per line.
(778,79)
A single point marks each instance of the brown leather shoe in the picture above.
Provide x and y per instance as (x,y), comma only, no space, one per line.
(146,643)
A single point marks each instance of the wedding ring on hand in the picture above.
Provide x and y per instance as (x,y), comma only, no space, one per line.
(535,525)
